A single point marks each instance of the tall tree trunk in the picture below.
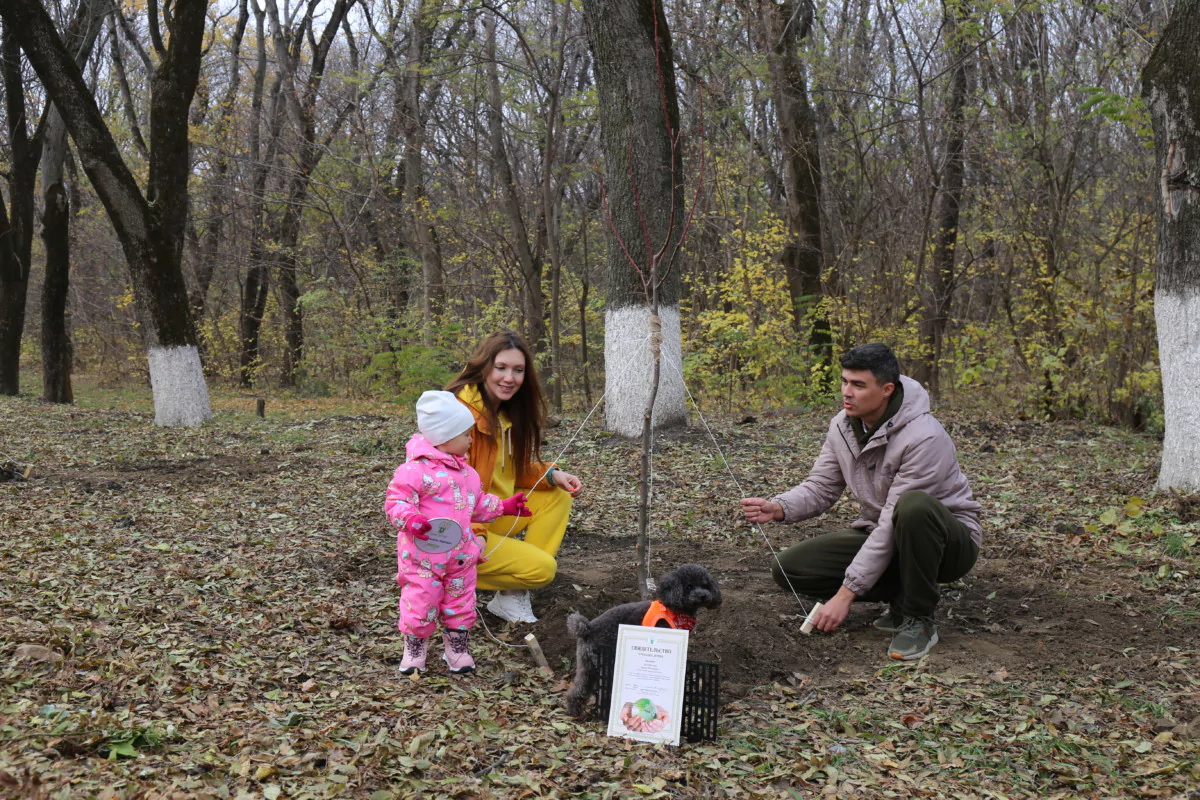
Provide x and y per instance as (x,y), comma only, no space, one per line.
(151,227)
(287,238)
(787,24)
(556,376)
(939,292)
(639,127)
(302,108)
(16,224)
(422,236)
(584,279)
(1171,86)
(529,259)
(551,204)
(221,187)
(57,350)
(256,287)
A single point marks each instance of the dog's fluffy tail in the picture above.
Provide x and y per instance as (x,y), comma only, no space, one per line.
(577,626)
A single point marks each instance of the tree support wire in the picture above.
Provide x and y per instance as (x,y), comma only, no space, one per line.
(742,493)
(716,445)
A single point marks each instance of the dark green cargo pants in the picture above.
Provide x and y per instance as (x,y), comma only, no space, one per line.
(930,547)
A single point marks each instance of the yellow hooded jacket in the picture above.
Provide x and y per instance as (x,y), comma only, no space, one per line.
(487,449)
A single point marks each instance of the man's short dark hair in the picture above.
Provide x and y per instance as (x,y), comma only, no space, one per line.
(876,357)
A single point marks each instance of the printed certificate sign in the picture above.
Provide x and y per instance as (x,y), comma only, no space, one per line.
(648,678)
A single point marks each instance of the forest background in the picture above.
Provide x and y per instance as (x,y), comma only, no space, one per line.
(376,185)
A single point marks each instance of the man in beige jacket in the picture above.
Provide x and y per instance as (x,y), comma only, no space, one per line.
(919,523)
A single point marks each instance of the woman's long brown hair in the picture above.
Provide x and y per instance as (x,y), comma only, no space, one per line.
(526,409)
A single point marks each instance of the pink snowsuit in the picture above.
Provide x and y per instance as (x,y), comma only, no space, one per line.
(437,484)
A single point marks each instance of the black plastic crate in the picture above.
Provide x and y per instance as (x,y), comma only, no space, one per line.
(701,695)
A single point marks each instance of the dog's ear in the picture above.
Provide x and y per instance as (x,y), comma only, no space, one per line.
(671,589)
(714,588)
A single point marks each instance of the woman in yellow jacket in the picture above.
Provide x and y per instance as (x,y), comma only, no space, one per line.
(500,385)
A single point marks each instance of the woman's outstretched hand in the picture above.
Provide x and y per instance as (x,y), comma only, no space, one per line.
(567,482)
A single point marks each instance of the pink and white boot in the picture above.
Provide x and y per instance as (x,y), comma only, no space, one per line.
(415,649)
(458,652)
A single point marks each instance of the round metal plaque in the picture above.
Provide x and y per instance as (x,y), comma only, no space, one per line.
(444,534)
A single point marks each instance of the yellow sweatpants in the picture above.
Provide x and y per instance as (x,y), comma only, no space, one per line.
(529,564)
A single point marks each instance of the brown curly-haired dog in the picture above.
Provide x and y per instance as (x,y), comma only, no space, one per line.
(684,591)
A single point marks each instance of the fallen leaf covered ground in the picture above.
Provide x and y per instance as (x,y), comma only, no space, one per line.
(210,613)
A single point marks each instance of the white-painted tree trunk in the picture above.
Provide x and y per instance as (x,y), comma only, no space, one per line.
(1178,319)
(629,366)
(1171,88)
(180,393)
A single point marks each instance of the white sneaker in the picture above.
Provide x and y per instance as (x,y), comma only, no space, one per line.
(512,607)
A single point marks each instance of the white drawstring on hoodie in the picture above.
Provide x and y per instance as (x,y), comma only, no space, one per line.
(505,441)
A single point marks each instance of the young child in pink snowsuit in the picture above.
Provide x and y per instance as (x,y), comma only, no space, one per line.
(437,482)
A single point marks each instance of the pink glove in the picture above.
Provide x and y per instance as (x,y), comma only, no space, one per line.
(417,526)
(515,506)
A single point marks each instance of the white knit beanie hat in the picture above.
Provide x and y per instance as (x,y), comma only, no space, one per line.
(440,417)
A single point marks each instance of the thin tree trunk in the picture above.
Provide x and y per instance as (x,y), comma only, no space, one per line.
(14,286)
(422,236)
(16,223)
(302,108)
(57,349)
(256,287)
(529,260)
(222,189)
(550,210)
(941,282)
(643,540)
(551,196)
(788,24)
(584,364)
(118,62)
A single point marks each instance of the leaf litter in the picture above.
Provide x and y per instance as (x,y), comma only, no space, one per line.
(221,606)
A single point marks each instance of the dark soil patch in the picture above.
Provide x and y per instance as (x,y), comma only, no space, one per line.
(1010,616)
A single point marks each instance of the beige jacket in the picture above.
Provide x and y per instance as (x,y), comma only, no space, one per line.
(912,451)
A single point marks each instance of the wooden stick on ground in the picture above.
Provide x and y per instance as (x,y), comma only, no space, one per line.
(538,655)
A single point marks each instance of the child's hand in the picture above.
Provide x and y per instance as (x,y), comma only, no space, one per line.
(417,526)
(515,506)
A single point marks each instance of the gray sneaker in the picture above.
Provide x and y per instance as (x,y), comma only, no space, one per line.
(891,621)
(916,637)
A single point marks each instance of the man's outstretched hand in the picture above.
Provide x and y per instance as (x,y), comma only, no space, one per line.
(756,509)
(832,614)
